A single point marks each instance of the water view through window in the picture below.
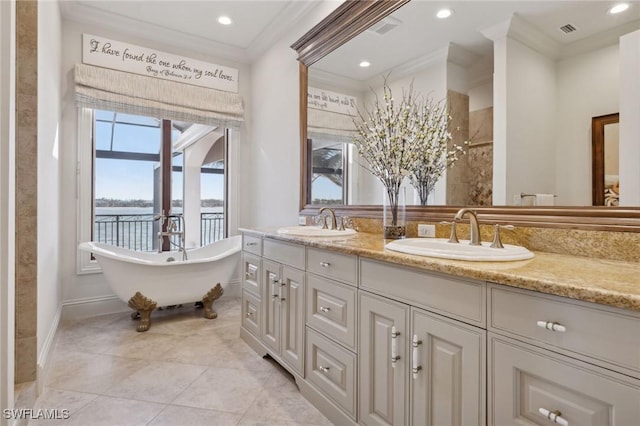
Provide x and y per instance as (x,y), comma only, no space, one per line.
(128,184)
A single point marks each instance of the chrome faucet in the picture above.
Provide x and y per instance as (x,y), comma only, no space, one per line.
(332,213)
(175,226)
(474,228)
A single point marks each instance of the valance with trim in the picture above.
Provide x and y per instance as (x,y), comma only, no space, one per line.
(330,125)
(102,88)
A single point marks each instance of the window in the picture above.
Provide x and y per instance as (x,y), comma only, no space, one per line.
(132,184)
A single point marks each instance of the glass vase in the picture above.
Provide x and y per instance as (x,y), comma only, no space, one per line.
(394,213)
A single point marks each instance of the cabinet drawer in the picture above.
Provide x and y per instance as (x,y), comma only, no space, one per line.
(289,254)
(252,244)
(331,308)
(527,382)
(251,313)
(609,335)
(332,370)
(339,266)
(251,273)
(456,297)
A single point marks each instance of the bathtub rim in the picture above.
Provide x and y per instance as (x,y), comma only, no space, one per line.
(120,254)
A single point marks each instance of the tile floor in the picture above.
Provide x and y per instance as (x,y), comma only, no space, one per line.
(185,370)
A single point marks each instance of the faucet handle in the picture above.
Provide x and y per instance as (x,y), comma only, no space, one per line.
(453,238)
(341,226)
(496,243)
(324,222)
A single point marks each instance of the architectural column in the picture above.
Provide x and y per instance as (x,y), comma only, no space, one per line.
(26,200)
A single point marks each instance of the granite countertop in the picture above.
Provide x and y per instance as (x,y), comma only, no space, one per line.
(607,282)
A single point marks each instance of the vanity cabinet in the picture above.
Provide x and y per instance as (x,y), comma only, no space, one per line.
(546,358)
(380,343)
(283,306)
(417,367)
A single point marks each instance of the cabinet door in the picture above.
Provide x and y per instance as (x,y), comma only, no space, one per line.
(292,306)
(382,383)
(271,305)
(448,387)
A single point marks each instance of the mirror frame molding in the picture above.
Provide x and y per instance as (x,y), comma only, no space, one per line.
(347,21)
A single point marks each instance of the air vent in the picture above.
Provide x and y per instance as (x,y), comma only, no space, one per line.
(568,28)
(385,25)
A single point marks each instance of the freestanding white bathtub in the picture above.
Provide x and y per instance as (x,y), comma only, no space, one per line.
(149,280)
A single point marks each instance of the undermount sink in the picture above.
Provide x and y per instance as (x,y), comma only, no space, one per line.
(314,231)
(442,248)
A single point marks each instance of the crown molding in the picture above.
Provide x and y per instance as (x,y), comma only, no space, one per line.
(81,13)
(527,34)
(277,28)
(600,40)
(325,77)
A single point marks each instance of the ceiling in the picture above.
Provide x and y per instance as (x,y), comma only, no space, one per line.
(419,33)
(193,24)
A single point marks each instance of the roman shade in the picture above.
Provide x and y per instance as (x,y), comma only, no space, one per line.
(330,125)
(102,88)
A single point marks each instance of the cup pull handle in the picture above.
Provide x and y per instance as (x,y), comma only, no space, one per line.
(323,369)
(325,264)
(552,326)
(324,309)
(553,416)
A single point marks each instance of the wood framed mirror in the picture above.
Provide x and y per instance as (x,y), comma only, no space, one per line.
(347,21)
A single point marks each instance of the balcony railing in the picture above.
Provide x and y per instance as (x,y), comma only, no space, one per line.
(136,232)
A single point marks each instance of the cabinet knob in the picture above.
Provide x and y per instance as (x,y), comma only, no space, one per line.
(552,326)
(325,264)
(323,369)
(324,309)
(554,416)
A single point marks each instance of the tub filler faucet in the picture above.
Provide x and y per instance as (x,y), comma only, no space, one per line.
(175,226)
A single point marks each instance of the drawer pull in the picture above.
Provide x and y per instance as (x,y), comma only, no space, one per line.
(553,326)
(416,356)
(249,314)
(394,346)
(324,309)
(248,274)
(251,244)
(323,369)
(275,296)
(325,264)
(554,416)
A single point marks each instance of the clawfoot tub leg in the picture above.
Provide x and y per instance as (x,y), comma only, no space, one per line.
(208,300)
(144,306)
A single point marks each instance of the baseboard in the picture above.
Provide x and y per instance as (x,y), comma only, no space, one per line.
(91,307)
(44,360)
(102,305)
(233,289)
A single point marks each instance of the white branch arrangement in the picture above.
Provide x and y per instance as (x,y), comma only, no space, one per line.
(405,140)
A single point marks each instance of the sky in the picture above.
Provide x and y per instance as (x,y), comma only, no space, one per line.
(130,179)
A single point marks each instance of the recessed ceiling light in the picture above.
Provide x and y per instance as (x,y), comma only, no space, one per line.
(365,64)
(225,20)
(444,13)
(619,8)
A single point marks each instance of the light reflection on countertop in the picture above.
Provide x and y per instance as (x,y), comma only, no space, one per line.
(606,282)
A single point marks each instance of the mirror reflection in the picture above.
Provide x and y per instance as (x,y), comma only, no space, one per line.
(522,81)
